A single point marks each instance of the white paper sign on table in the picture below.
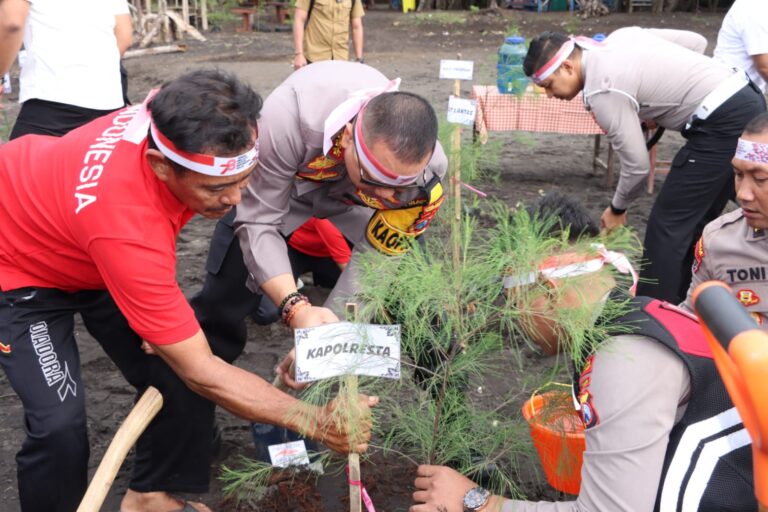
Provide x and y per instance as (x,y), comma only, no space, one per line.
(456,69)
(288,454)
(461,110)
(345,348)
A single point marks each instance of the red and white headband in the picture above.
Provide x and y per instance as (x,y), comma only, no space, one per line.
(555,62)
(210,165)
(376,169)
(752,151)
(551,268)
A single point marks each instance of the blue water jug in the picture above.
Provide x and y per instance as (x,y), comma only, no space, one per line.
(510,77)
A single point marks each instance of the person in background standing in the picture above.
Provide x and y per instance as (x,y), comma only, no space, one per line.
(71,74)
(321,30)
(743,40)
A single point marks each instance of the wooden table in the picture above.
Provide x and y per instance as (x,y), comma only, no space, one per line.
(534,112)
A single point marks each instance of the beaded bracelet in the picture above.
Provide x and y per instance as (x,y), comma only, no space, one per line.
(296,299)
(294,309)
(288,297)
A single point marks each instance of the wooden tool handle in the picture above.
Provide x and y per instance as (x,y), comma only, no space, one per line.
(140,416)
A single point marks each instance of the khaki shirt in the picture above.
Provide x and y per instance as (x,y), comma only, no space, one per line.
(639,390)
(294,181)
(732,252)
(326,36)
(645,74)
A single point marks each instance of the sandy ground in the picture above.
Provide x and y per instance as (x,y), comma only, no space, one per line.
(398,45)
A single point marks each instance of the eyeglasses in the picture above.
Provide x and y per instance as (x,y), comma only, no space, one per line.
(363,179)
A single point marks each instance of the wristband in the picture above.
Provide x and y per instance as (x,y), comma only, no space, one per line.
(293,310)
(617,211)
(288,297)
(360,60)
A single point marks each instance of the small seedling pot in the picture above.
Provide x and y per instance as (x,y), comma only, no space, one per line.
(558,436)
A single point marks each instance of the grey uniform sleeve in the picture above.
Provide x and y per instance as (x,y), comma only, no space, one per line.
(686,38)
(636,386)
(617,115)
(266,199)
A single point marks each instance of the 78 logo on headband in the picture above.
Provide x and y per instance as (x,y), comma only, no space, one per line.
(205,164)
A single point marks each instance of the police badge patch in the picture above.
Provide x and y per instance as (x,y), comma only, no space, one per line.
(747,297)
(698,255)
(587,410)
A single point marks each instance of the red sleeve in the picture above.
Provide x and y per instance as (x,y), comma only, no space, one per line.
(141,277)
(334,241)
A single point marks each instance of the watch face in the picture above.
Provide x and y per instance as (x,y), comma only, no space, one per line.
(475,498)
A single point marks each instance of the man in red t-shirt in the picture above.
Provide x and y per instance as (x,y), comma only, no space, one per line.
(90,222)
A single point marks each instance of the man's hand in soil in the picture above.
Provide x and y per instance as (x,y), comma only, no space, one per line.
(440,488)
(610,221)
(333,428)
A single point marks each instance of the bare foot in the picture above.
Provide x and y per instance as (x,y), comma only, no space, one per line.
(134,501)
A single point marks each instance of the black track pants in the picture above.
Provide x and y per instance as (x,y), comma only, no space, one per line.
(40,357)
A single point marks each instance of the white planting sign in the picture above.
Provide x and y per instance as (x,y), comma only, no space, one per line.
(289,454)
(456,69)
(345,348)
(461,111)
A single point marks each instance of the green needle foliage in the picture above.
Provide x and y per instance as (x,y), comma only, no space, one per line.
(456,318)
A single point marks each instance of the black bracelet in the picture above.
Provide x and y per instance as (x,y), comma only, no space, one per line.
(286,299)
(617,211)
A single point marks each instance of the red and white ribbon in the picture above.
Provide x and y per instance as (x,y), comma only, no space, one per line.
(562,55)
(752,151)
(378,171)
(364,494)
(349,108)
(204,164)
(550,269)
(555,62)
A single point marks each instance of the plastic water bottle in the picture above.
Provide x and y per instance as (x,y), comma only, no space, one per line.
(510,77)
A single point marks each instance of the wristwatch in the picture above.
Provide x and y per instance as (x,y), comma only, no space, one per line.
(360,60)
(475,499)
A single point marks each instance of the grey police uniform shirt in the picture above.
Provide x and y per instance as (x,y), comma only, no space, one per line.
(275,202)
(731,251)
(645,74)
(639,390)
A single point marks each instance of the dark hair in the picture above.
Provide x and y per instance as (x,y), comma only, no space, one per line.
(543,48)
(570,213)
(207,110)
(758,125)
(406,122)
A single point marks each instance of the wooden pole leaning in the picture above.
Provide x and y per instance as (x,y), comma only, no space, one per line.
(137,421)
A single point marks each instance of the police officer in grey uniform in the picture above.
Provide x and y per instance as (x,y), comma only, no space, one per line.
(734,247)
(337,141)
(654,75)
(661,431)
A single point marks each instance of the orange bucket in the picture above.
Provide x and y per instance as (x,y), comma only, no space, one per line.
(558,436)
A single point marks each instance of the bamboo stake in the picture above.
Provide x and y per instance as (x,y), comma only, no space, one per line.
(140,416)
(355,490)
(456,180)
